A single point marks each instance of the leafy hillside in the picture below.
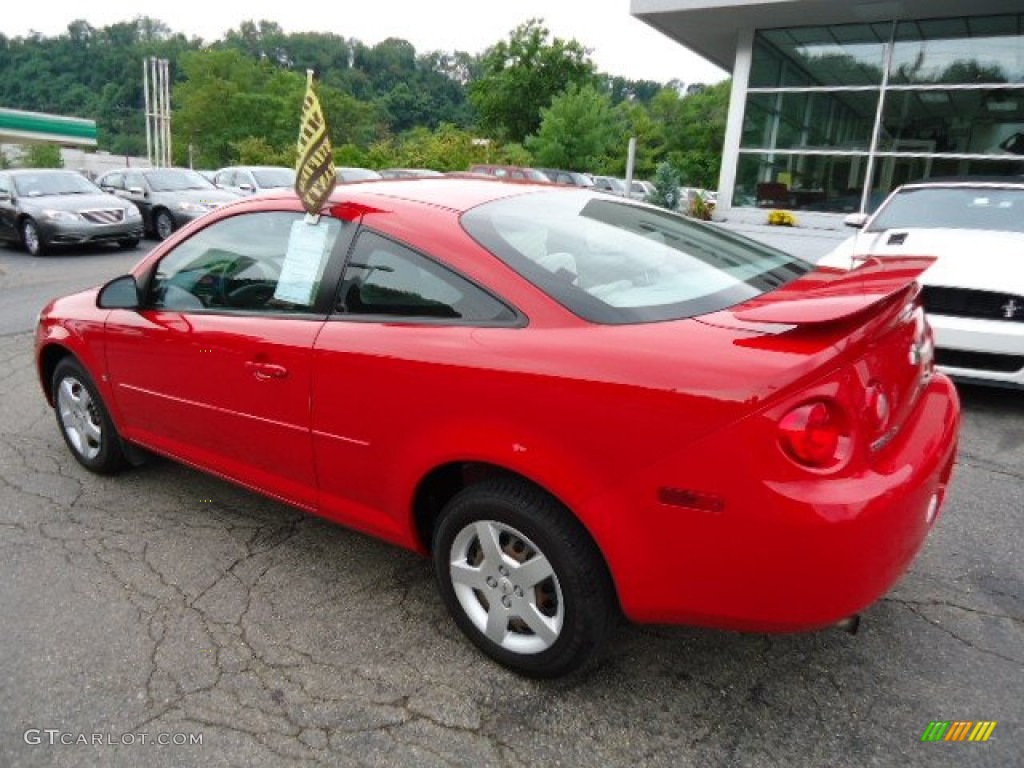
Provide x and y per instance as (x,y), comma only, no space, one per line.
(237,99)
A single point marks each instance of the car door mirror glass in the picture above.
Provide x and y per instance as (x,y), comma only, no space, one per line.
(120,293)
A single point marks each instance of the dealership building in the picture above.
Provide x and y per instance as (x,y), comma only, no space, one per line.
(836,102)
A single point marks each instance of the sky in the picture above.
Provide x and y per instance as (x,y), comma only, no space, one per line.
(620,44)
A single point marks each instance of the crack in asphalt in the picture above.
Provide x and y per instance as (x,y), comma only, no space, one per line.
(219,652)
(915,608)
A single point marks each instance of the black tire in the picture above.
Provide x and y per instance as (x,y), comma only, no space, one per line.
(127,245)
(83,420)
(574,607)
(163,224)
(32,239)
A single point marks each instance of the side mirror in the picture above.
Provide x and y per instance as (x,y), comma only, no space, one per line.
(120,293)
(136,191)
(246,187)
(856,220)
(5,196)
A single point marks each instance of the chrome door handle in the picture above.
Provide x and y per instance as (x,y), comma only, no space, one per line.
(266,371)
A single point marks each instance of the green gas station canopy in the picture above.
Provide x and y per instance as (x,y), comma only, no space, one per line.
(18,127)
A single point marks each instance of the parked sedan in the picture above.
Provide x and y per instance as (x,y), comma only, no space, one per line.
(577,405)
(46,208)
(167,197)
(974,293)
(571,178)
(349,175)
(611,185)
(251,179)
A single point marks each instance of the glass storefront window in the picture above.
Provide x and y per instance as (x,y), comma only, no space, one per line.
(787,120)
(969,51)
(800,182)
(969,122)
(953,105)
(849,54)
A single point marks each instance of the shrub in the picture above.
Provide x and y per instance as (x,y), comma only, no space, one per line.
(781,219)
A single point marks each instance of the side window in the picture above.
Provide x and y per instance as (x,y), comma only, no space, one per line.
(223,179)
(5,185)
(385,278)
(134,179)
(114,181)
(270,261)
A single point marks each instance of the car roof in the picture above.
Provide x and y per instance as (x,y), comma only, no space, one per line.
(457,194)
(966,181)
(25,171)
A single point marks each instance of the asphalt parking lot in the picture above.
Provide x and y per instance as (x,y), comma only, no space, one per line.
(167,603)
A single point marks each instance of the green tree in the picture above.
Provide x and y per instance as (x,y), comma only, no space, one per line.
(577,132)
(521,75)
(42,156)
(694,131)
(634,121)
(254,150)
(666,187)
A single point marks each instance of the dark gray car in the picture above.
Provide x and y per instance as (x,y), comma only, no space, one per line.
(167,197)
(43,208)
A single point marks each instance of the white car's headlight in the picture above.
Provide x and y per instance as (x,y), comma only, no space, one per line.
(55,215)
(131,212)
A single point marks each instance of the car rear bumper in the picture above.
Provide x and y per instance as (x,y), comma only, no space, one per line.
(986,351)
(787,555)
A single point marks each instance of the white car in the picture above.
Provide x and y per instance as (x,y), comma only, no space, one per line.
(974,292)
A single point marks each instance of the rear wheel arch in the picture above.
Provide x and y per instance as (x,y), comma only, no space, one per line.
(443,483)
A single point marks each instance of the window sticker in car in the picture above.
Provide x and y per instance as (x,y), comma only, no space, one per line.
(303,263)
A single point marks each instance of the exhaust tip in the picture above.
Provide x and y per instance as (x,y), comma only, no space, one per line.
(850,624)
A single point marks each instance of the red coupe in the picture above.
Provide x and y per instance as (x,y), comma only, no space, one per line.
(579,406)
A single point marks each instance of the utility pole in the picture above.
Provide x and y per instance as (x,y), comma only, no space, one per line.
(156,86)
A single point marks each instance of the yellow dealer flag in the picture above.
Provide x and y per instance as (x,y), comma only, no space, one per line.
(314,173)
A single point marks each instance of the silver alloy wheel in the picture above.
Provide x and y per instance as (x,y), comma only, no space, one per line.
(79,417)
(507,587)
(164,225)
(30,236)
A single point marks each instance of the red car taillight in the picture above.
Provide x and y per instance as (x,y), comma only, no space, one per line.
(815,434)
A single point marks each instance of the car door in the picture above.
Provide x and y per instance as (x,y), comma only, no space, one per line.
(225,179)
(136,189)
(244,183)
(215,367)
(383,369)
(8,209)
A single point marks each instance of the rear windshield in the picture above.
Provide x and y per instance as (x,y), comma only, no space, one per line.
(991,208)
(615,262)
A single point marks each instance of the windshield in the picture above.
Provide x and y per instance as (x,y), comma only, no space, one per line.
(611,261)
(990,208)
(69,183)
(175,179)
(274,177)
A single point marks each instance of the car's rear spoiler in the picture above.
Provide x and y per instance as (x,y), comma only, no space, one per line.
(826,295)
